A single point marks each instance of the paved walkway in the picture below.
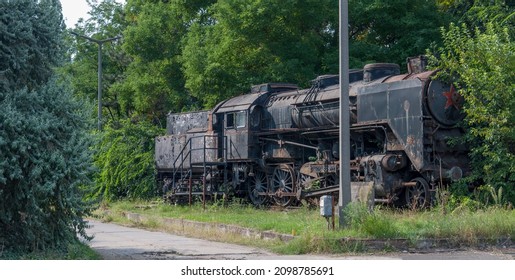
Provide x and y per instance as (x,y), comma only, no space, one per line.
(116,242)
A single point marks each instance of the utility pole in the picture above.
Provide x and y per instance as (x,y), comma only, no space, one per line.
(100,43)
(345,190)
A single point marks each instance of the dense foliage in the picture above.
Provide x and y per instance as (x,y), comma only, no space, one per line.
(124,157)
(183,55)
(482,64)
(250,42)
(30,42)
(478,13)
(391,31)
(44,155)
(45,161)
(155,84)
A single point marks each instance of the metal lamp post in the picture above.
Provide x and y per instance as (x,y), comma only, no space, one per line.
(100,43)
(345,189)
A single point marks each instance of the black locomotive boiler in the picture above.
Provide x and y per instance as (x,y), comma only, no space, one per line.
(279,143)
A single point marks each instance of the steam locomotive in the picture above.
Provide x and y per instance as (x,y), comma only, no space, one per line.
(279,144)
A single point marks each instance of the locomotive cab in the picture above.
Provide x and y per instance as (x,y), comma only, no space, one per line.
(243,117)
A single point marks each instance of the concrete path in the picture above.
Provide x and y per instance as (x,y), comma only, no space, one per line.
(116,242)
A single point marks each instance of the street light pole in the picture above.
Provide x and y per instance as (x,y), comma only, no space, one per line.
(345,189)
(100,43)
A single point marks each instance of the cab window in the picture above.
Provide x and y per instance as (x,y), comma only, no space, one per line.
(229,120)
(236,119)
(241,119)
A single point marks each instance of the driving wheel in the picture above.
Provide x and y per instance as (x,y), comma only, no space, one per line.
(255,185)
(283,185)
(417,196)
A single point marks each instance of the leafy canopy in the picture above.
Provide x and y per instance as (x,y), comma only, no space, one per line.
(249,42)
(391,31)
(106,21)
(182,55)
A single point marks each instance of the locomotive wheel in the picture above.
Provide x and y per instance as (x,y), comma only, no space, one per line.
(418,197)
(307,182)
(283,185)
(255,185)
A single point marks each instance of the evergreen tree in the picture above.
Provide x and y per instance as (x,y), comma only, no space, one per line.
(30,42)
(44,155)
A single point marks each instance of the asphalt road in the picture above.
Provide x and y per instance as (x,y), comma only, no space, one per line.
(116,242)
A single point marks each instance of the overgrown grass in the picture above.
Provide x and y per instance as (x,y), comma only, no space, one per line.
(299,221)
(461,226)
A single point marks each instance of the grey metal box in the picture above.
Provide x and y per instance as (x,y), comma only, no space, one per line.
(326,206)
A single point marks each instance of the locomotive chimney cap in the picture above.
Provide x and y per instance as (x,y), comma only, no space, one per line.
(373,66)
(273,87)
(375,71)
(325,81)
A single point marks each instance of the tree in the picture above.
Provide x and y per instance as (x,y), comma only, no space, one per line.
(155,83)
(135,77)
(107,20)
(30,42)
(391,31)
(45,162)
(249,42)
(482,64)
(477,13)
(44,155)
(192,55)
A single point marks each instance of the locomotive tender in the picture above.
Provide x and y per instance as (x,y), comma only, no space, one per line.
(279,143)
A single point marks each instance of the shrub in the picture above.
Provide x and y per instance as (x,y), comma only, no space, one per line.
(482,64)
(45,161)
(124,156)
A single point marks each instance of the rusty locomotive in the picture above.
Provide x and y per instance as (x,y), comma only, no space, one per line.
(279,144)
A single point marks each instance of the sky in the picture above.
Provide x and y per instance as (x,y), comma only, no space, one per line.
(75,9)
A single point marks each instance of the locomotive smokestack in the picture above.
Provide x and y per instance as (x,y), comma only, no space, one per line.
(379,70)
(417,64)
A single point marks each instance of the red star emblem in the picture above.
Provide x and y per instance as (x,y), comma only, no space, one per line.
(453,98)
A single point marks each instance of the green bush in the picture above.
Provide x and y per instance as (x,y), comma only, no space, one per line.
(482,64)
(124,157)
